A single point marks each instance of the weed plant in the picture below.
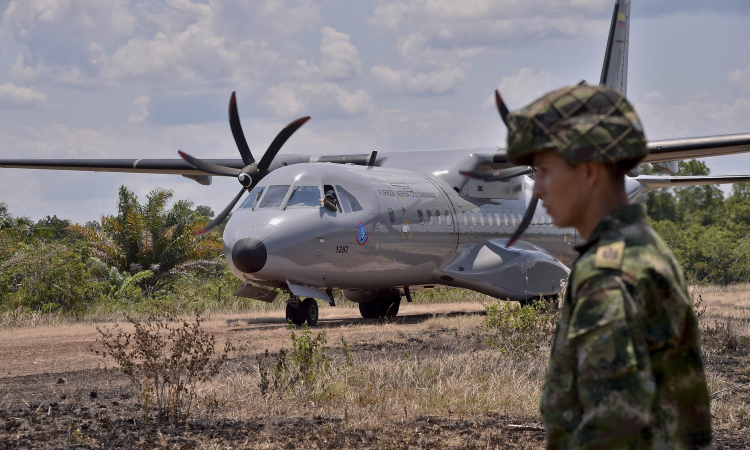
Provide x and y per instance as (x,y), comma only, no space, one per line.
(167,359)
(520,332)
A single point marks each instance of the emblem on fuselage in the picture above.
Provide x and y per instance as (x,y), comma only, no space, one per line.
(362,234)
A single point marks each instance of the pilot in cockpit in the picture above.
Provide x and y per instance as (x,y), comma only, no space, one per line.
(330,201)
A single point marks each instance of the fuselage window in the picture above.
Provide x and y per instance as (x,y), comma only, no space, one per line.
(549,221)
(481,220)
(304,196)
(347,200)
(497,219)
(448,219)
(439,217)
(534,221)
(429,217)
(513,216)
(466,219)
(544,221)
(421,216)
(473,219)
(505,219)
(392,215)
(274,196)
(252,199)
(489,219)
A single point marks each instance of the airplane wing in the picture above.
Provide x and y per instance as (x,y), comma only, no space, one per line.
(679,149)
(699,147)
(164,166)
(656,181)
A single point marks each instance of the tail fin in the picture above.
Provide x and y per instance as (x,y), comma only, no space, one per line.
(615,69)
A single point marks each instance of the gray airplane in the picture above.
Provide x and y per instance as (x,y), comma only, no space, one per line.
(383,225)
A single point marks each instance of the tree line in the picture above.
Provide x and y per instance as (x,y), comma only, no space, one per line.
(707,232)
(138,254)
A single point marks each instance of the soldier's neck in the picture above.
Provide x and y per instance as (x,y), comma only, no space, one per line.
(604,200)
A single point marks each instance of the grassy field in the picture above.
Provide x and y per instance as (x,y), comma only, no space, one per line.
(426,379)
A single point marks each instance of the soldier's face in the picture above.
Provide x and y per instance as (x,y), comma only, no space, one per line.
(562,188)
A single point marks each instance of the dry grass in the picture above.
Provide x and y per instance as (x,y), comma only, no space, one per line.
(430,362)
(442,368)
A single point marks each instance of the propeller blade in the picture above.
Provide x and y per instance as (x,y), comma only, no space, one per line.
(281,138)
(501,108)
(239,136)
(527,216)
(496,175)
(213,169)
(223,215)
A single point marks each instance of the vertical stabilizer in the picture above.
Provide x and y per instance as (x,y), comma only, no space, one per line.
(615,69)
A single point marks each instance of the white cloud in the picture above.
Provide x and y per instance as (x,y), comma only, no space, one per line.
(740,78)
(492,23)
(325,98)
(95,19)
(701,115)
(428,70)
(523,87)
(436,81)
(339,58)
(19,96)
(141,102)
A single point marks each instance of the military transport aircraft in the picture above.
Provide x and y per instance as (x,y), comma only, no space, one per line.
(398,222)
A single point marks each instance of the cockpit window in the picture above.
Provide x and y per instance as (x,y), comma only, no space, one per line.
(274,196)
(304,196)
(348,202)
(252,199)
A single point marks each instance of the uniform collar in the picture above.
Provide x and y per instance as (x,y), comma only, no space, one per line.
(616,220)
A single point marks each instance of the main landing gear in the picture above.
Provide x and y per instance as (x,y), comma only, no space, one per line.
(380,307)
(298,312)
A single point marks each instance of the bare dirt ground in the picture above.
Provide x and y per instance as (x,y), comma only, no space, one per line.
(424,380)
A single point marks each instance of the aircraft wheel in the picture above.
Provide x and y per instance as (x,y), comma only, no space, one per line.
(309,311)
(370,310)
(293,314)
(390,306)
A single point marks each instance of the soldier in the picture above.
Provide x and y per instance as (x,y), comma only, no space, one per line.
(626,369)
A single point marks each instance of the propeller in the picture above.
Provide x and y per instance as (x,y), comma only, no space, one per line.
(253,172)
(507,174)
(527,217)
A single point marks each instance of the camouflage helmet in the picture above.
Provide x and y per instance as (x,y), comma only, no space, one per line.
(581,124)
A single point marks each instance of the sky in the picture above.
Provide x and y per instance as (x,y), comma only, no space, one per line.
(142,79)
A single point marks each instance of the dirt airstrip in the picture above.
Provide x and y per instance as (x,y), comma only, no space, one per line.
(55,393)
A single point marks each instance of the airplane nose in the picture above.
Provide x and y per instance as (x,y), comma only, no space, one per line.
(249,255)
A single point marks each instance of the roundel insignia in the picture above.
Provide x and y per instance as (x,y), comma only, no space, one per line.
(362,233)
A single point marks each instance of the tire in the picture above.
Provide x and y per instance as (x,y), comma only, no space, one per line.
(390,307)
(293,314)
(309,312)
(370,310)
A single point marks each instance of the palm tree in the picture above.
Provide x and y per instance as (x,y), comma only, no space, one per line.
(153,237)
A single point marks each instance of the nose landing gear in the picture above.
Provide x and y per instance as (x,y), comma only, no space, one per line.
(298,312)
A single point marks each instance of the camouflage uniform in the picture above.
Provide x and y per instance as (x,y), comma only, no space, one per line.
(626,369)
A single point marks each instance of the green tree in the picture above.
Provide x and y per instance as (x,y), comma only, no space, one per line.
(151,237)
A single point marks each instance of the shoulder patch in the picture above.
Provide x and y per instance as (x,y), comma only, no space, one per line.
(610,256)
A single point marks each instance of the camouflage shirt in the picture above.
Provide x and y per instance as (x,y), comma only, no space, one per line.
(626,370)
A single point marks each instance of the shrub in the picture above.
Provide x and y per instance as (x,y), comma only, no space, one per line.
(49,278)
(167,359)
(520,331)
(717,336)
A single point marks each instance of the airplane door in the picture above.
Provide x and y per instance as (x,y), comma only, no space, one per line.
(456,219)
